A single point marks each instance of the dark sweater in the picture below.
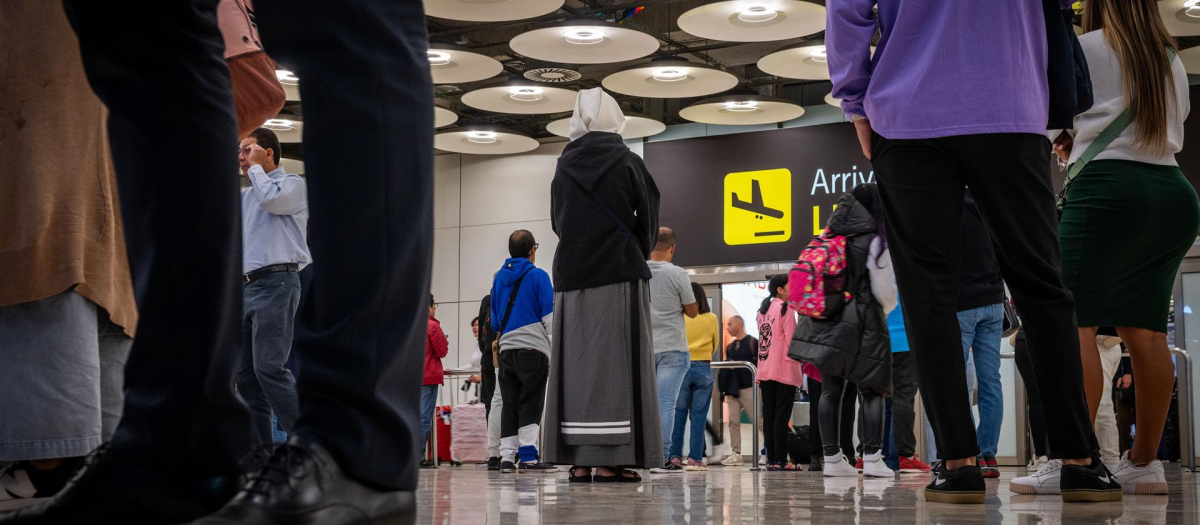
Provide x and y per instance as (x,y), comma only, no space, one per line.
(731,381)
(979,282)
(593,250)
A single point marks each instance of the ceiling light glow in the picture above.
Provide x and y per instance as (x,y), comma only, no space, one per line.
(584,35)
(482,137)
(758,13)
(819,54)
(671,74)
(286,77)
(1192,8)
(438,58)
(525,93)
(278,124)
(741,106)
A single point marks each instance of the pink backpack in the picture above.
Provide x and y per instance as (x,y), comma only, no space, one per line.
(820,270)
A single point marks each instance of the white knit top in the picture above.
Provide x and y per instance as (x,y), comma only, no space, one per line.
(1109,91)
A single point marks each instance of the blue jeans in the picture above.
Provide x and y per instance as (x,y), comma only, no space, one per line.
(981,330)
(428,403)
(670,368)
(695,396)
(268,320)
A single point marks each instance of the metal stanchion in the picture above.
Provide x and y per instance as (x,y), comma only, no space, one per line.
(433,435)
(754,400)
(1184,375)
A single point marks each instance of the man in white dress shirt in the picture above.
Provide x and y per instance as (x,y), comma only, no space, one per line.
(274,250)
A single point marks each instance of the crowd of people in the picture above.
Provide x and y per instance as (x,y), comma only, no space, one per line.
(156,363)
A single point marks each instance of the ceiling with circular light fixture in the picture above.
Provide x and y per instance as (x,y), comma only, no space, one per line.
(741,110)
(521,97)
(289,129)
(490,10)
(443,117)
(754,20)
(290,82)
(455,65)
(636,127)
(484,141)
(835,102)
(586,41)
(1182,17)
(670,77)
(803,61)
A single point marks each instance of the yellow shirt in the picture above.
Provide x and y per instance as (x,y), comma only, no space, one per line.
(703,335)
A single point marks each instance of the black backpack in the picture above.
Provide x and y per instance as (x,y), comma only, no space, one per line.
(797,445)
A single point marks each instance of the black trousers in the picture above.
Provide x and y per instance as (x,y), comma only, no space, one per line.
(904,394)
(836,425)
(368,150)
(777,402)
(1033,399)
(522,377)
(846,430)
(487,381)
(922,184)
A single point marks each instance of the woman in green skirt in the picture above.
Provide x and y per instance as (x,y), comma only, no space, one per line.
(1130,215)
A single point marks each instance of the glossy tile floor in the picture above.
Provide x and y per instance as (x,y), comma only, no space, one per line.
(472,495)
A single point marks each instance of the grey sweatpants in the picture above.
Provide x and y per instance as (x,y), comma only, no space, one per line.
(64,372)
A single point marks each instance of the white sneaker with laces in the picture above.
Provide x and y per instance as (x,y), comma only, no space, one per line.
(836,466)
(1037,463)
(733,460)
(1044,481)
(874,467)
(1148,480)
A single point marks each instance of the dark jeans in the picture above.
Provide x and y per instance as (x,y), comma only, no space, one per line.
(1033,398)
(846,432)
(922,184)
(268,314)
(487,381)
(522,376)
(360,331)
(777,402)
(834,422)
(904,393)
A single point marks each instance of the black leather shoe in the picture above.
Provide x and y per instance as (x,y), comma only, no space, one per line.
(302,484)
(106,489)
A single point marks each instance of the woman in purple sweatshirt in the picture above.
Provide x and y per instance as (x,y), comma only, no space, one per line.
(957,95)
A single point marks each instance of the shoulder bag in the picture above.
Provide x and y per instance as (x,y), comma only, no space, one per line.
(512,299)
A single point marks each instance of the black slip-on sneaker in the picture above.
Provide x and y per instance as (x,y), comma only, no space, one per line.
(961,485)
(493,463)
(507,467)
(1093,483)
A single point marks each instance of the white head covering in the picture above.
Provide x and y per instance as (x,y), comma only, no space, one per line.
(596,110)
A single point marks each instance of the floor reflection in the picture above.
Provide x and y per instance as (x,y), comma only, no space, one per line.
(472,495)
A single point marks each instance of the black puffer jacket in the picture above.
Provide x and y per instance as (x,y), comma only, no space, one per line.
(852,341)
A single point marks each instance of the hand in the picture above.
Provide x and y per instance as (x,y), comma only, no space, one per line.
(475,378)
(1126,381)
(863,128)
(257,156)
(1063,144)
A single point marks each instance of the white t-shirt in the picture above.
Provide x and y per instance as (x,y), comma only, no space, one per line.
(670,290)
(1108,89)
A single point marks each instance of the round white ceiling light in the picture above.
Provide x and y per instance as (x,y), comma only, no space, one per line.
(484,141)
(443,117)
(808,60)
(1182,17)
(741,110)
(455,65)
(490,10)
(636,127)
(670,77)
(754,20)
(521,97)
(835,102)
(288,128)
(586,41)
(290,82)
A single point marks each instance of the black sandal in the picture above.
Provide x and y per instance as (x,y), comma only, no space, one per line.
(597,478)
(580,479)
(626,478)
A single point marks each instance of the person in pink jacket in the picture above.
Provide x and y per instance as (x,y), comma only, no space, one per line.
(778,374)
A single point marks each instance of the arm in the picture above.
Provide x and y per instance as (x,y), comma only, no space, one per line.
(545,296)
(647,210)
(883,277)
(438,340)
(687,299)
(287,196)
(716,336)
(691,310)
(849,27)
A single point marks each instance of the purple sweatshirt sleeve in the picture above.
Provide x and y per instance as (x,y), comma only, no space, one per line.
(849,26)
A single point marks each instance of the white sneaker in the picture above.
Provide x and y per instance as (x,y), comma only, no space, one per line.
(1044,481)
(873,466)
(1037,463)
(733,460)
(1148,480)
(836,466)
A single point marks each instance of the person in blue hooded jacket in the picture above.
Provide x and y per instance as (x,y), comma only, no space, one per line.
(522,308)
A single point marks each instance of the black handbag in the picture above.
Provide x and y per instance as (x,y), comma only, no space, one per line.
(1012,323)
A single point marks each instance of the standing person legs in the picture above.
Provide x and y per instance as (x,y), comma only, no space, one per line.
(702,386)
(831,415)
(522,378)
(904,383)
(429,394)
(494,423)
(269,309)
(682,402)
(1036,417)
(1106,414)
(985,349)
(846,424)
(734,405)
(768,400)
(785,399)
(815,443)
(670,368)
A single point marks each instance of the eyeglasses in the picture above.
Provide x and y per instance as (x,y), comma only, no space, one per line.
(434,305)
(535,245)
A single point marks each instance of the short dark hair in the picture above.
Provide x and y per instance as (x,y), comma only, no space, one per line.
(666,239)
(431,301)
(267,139)
(701,298)
(520,243)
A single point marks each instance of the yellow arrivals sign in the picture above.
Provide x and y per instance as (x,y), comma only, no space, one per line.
(758,207)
